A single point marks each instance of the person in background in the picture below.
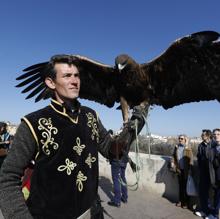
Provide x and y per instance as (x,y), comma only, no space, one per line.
(214,170)
(183,161)
(5,141)
(204,177)
(118,168)
(63,139)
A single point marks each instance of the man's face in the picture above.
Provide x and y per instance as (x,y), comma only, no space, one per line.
(182,139)
(216,136)
(66,85)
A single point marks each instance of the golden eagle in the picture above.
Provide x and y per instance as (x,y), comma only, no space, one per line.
(188,71)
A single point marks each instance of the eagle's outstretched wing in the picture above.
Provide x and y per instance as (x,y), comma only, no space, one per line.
(33,79)
(188,71)
(97,81)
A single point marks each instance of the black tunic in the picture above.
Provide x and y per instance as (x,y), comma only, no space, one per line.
(64,182)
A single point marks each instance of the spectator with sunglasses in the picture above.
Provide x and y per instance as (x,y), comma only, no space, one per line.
(183,160)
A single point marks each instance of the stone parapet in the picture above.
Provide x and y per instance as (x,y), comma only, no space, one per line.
(154,174)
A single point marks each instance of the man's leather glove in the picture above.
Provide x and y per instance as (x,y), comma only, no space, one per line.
(137,121)
(140,111)
(125,138)
(139,114)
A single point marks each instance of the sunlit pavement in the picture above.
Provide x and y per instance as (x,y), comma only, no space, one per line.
(141,205)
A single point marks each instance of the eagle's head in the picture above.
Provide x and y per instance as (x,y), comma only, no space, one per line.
(123,62)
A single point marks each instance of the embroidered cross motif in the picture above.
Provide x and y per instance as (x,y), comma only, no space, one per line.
(80,179)
(48,130)
(89,160)
(92,123)
(68,167)
(78,148)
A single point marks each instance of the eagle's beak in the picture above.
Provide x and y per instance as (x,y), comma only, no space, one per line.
(121,67)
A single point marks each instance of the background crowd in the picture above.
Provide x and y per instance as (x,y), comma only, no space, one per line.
(208,163)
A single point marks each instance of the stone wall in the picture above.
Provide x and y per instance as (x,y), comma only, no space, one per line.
(154,175)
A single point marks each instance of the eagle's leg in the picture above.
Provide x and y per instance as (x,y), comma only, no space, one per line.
(124,109)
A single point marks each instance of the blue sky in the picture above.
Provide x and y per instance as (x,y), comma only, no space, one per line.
(33,31)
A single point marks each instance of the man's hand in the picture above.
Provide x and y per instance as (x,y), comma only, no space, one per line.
(140,111)
(123,140)
(138,117)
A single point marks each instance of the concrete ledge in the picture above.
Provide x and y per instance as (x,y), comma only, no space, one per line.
(154,174)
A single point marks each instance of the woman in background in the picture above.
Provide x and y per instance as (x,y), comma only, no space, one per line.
(183,161)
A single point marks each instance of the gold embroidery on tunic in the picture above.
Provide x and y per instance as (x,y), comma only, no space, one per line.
(78,147)
(92,123)
(48,130)
(68,167)
(89,160)
(80,179)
